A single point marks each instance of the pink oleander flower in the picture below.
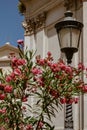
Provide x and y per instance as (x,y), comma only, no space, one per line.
(69,101)
(36,71)
(2,86)
(49,63)
(41,62)
(68,69)
(29,127)
(20,42)
(17,71)
(49,54)
(3,111)
(14,59)
(76,100)
(55,67)
(21,62)
(81,66)
(62,66)
(2,128)
(54,93)
(8,78)
(2,96)
(12,75)
(14,62)
(63,100)
(39,80)
(24,99)
(8,89)
(40,124)
(24,107)
(84,88)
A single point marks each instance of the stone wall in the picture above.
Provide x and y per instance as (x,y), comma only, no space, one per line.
(40,34)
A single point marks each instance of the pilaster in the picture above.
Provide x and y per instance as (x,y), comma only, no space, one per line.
(85,57)
(32,25)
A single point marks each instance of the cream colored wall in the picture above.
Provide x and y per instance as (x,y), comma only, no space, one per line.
(5,55)
(85,58)
(46,40)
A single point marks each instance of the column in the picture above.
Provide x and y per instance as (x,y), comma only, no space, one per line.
(85,59)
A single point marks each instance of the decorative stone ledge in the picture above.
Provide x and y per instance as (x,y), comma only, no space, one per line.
(33,25)
(75,4)
(35,21)
(29,26)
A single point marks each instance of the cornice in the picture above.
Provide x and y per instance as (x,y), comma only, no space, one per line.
(9,47)
(35,21)
(35,24)
(45,8)
(72,4)
(68,4)
(5,63)
(5,60)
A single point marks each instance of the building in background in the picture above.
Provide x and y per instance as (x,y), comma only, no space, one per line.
(40,34)
(7,51)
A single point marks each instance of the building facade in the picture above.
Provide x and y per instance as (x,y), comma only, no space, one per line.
(7,52)
(40,34)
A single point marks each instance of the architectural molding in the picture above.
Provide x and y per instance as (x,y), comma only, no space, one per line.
(5,64)
(40,21)
(45,6)
(47,40)
(68,4)
(7,52)
(33,25)
(29,26)
(8,46)
(75,4)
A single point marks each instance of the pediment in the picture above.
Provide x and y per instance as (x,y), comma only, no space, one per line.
(8,46)
(7,51)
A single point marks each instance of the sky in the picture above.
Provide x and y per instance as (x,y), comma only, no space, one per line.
(10,22)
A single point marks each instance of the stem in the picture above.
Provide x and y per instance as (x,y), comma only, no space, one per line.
(40,119)
(44,109)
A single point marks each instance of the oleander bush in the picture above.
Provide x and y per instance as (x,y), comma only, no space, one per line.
(46,83)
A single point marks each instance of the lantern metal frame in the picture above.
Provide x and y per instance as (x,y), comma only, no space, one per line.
(69,23)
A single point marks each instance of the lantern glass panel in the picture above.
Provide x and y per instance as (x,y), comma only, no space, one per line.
(64,37)
(69,37)
(75,37)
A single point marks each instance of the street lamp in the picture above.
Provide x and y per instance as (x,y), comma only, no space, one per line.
(69,32)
